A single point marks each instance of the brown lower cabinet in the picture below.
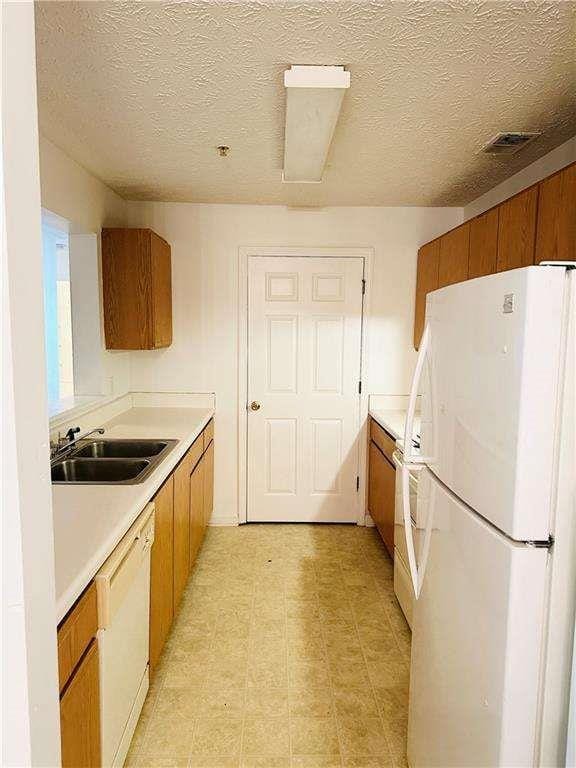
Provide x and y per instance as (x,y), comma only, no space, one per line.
(196,482)
(208,492)
(183,557)
(381,484)
(80,714)
(181,519)
(183,506)
(162,572)
(201,496)
(79,684)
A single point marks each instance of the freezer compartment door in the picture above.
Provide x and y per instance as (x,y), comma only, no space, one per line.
(476,643)
(490,394)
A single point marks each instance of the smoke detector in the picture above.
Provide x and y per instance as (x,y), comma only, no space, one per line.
(509,143)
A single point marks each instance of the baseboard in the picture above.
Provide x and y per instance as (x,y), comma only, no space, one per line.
(223,520)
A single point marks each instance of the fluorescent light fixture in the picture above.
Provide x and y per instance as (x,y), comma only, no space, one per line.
(313,100)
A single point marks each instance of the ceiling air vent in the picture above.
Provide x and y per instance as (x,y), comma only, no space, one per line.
(508,143)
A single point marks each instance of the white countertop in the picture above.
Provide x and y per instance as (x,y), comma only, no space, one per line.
(394,422)
(90,520)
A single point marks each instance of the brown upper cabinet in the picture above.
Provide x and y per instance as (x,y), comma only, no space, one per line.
(538,224)
(454,249)
(137,289)
(483,244)
(517,230)
(426,281)
(556,229)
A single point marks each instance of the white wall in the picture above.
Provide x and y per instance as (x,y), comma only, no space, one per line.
(73,193)
(30,712)
(550,163)
(205,240)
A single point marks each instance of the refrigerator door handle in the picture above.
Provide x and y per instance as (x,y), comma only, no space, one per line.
(408,529)
(416,572)
(409,457)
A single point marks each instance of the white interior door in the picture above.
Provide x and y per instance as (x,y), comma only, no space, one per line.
(304,347)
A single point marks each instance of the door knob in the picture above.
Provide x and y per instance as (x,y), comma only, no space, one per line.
(254,406)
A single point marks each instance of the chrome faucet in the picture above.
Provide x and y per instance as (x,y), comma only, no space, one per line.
(63,445)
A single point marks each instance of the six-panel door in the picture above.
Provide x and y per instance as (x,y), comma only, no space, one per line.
(304,329)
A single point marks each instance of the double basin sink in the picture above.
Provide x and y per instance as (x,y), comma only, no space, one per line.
(107,462)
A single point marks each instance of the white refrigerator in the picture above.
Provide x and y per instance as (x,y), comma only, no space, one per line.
(494,570)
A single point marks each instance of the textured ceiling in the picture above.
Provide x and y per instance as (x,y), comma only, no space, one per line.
(141,93)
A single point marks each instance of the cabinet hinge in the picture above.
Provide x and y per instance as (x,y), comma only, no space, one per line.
(363,287)
(359,387)
(357,483)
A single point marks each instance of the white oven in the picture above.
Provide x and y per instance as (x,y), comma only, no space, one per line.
(402,582)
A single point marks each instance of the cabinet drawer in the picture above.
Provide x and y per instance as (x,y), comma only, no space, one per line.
(382,439)
(208,433)
(76,632)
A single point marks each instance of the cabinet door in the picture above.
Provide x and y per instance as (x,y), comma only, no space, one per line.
(162,572)
(454,250)
(517,230)
(381,495)
(196,508)
(80,714)
(181,527)
(556,228)
(127,289)
(426,281)
(208,486)
(483,244)
(161,290)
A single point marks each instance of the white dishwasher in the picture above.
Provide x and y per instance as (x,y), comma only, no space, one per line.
(123,586)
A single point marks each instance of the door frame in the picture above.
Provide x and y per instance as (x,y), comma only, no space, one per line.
(244,255)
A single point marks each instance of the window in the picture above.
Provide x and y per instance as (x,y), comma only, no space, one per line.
(57,311)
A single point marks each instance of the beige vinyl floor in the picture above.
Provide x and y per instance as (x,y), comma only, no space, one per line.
(289,649)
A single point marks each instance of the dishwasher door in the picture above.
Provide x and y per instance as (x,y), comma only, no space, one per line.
(123,586)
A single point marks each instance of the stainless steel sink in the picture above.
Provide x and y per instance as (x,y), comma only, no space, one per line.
(110,462)
(122,449)
(98,470)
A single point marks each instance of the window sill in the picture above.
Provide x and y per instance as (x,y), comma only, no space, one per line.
(62,410)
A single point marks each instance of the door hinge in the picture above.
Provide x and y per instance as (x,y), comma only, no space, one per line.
(357,482)
(363,287)
(359,387)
